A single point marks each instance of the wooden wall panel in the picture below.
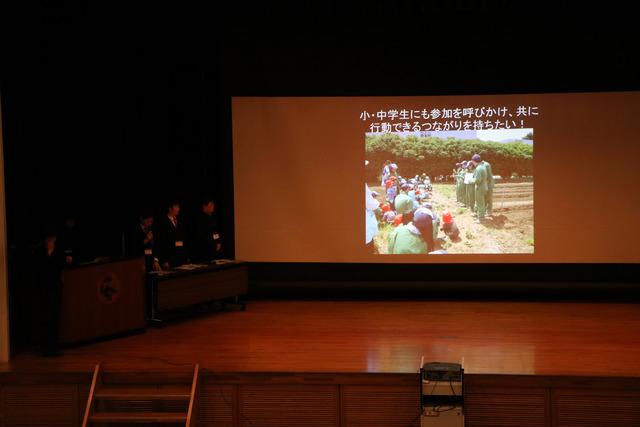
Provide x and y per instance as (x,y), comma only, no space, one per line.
(506,407)
(591,408)
(218,405)
(369,401)
(283,406)
(40,406)
(383,406)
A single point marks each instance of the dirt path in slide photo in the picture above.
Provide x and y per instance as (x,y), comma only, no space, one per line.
(510,230)
(474,238)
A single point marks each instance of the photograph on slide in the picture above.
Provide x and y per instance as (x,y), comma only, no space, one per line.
(450,192)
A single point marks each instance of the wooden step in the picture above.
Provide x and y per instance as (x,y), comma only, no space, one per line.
(142,392)
(138,417)
(180,377)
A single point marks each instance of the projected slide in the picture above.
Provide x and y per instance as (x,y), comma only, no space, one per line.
(521,178)
(441,192)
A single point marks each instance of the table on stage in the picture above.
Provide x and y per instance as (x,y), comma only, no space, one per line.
(101,299)
(194,284)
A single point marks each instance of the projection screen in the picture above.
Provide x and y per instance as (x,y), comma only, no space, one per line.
(544,178)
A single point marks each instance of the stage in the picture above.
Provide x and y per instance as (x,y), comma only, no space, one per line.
(346,357)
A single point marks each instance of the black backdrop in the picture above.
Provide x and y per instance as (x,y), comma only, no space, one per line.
(109,108)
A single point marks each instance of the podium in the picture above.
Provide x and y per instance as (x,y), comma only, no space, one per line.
(102,299)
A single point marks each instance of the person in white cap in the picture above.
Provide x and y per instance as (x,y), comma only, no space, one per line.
(385,172)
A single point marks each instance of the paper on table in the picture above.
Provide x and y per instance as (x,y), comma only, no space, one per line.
(190,266)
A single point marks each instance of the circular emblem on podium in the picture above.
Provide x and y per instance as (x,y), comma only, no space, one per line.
(109,289)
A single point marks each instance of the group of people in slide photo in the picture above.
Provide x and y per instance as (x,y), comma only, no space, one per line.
(405,210)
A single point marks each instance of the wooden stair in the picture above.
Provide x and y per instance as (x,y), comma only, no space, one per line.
(141,400)
(138,417)
(170,392)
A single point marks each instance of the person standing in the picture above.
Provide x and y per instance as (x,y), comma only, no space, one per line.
(170,244)
(385,172)
(371,222)
(371,205)
(481,186)
(490,184)
(470,199)
(141,242)
(458,175)
(49,260)
(69,241)
(207,240)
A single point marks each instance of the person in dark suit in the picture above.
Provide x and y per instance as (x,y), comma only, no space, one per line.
(49,261)
(141,242)
(171,251)
(206,239)
(69,241)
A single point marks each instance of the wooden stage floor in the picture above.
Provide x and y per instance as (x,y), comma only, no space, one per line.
(568,339)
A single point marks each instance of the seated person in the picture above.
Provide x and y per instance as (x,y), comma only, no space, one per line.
(415,235)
